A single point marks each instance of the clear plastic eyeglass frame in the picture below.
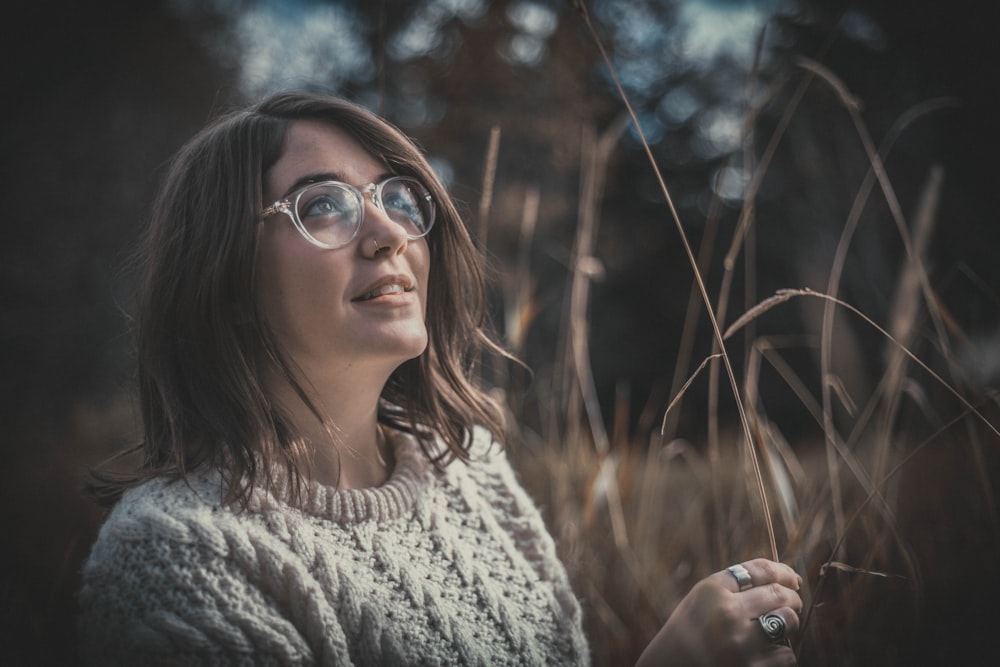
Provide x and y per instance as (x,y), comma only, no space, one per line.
(290,205)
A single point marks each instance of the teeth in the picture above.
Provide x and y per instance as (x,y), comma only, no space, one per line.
(385,289)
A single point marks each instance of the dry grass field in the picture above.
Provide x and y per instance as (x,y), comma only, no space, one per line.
(888,508)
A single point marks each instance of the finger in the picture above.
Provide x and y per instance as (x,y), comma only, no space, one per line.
(764,571)
(775,627)
(761,599)
(773,651)
(774,655)
(739,578)
(760,571)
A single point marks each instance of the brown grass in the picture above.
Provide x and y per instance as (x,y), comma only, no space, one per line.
(639,522)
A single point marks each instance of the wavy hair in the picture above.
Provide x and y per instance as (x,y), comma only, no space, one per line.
(204,349)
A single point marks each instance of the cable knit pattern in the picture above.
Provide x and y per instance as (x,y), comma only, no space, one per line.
(431,568)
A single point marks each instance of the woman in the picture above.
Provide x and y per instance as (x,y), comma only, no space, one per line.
(321,481)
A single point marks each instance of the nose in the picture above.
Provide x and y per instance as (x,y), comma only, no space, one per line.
(381,235)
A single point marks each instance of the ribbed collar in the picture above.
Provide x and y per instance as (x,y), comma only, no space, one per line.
(411,477)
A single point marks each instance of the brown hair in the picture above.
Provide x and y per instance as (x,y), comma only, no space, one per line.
(204,349)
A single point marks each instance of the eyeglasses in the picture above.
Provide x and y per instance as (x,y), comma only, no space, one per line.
(329,214)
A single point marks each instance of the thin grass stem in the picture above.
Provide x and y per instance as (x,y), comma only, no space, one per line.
(787,294)
(748,436)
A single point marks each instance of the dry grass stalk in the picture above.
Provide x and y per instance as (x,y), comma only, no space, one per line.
(520,308)
(645,575)
(747,434)
(875,173)
(685,348)
(859,510)
(874,490)
(767,347)
(787,294)
(777,456)
(835,384)
(489,178)
(742,239)
(737,243)
(596,158)
(680,394)
(905,311)
(844,567)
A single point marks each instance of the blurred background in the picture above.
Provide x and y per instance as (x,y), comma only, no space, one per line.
(764,117)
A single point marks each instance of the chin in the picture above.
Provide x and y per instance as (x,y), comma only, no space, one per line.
(418,347)
(406,346)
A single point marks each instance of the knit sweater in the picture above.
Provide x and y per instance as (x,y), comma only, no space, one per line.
(431,568)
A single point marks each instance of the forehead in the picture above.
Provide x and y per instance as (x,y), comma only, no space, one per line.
(314,148)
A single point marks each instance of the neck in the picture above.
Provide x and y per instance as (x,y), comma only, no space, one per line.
(348,449)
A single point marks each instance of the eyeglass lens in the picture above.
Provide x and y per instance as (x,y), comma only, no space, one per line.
(332,212)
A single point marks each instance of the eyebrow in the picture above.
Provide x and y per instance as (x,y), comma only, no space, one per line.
(319,177)
(309,179)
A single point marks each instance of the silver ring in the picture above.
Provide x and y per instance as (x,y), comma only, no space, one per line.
(743,579)
(774,627)
(375,243)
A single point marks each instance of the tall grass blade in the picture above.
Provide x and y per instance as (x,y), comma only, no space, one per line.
(489,182)
(749,442)
(680,394)
(595,166)
(937,378)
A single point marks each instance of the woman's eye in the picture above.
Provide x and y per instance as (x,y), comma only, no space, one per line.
(322,206)
(404,203)
(401,199)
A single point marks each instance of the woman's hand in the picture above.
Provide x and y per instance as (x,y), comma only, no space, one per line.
(717,624)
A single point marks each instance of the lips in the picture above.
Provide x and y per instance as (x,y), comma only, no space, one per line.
(384,286)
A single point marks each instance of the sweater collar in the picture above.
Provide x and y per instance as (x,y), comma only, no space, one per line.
(411,476)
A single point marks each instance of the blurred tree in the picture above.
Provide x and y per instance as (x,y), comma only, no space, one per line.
(96,102)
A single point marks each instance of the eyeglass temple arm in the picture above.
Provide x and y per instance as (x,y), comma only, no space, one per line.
(276,207)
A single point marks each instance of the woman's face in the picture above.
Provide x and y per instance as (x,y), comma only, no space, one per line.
(344,309)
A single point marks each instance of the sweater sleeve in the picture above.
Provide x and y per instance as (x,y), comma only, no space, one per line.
(174,581)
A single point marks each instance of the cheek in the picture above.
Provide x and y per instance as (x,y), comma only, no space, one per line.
(284,276)
(421,269)
(270,278)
